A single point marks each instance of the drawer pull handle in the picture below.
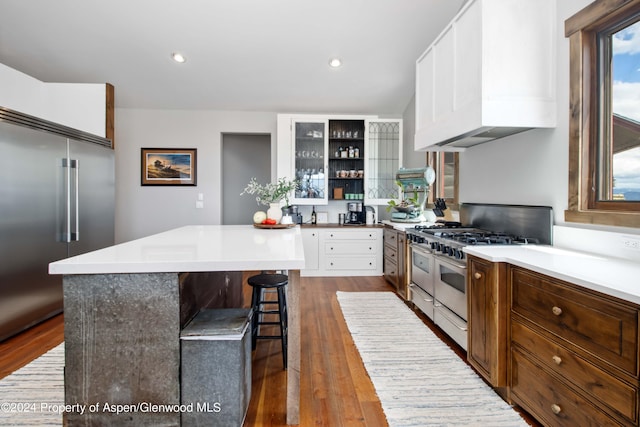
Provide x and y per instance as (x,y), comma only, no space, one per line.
(557,360)
(556,310)
(556,409)
(477,275)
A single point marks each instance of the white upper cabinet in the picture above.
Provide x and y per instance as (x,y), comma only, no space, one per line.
(489,74)
(340,157)
(383,159)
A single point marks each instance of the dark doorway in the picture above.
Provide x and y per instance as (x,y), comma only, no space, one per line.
(244,156)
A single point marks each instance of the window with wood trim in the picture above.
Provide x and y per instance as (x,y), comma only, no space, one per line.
(604,125)
(446,185)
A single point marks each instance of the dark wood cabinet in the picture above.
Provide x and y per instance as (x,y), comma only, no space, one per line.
(566,354)
(573,352)
(395,260)
(487,320)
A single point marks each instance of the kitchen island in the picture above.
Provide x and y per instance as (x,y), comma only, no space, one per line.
(126,304)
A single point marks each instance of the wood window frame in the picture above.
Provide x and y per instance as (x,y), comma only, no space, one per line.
(582,29)
(432,160)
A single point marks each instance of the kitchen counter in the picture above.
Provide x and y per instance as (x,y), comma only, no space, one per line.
(125,306)
(345,226)
(194,248)
(610,276)
(402,226)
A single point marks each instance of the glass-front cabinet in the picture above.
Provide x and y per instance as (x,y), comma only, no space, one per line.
(340,157)
(310,166)
(384,158)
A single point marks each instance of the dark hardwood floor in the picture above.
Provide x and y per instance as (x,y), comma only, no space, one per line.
(21,349)
(335,389)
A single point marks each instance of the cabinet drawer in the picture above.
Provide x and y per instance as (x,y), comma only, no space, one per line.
(548,398)
(349,248)
(391,253)
(352,263)
(351,235)
(391,271)
(605,388)
(582,320)
(390,237)
(390,267)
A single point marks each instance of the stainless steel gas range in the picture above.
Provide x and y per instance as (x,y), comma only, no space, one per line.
(438,263)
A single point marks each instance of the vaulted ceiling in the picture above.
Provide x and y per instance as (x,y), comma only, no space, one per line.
(248,55)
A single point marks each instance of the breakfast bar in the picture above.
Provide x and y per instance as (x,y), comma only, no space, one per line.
(125,305)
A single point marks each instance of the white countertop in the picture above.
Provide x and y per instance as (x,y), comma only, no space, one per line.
(195,248)
(611,276)
(402,226)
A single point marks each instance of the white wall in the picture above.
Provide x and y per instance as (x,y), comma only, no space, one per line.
(80,106)
(144,210)
(410,157)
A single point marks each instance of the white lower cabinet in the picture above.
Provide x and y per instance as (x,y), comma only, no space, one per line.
(311,244)
(340,252)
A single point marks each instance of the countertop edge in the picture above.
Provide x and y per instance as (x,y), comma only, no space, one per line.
(582,269)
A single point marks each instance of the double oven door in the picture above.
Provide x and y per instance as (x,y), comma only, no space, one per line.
(438,289)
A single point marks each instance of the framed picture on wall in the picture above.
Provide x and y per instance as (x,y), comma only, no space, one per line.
(168,166)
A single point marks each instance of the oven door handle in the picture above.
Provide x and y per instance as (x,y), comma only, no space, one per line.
(446,315)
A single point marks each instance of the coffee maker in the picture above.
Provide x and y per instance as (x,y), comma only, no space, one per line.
(356,215)
(293,211)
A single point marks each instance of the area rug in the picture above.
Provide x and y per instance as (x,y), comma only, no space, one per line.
(419,380)
(34,395)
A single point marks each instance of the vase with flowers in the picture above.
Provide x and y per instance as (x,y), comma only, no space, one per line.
(271,194)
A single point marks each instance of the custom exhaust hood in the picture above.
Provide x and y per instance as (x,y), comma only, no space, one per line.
(475,83)
(475,137)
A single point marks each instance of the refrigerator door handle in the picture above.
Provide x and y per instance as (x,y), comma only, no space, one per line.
(66,188)
(70,232)
(75,220)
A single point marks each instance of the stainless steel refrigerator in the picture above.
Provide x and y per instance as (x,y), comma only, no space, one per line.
(57,195)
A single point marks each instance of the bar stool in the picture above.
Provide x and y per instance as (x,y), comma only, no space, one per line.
(260,283)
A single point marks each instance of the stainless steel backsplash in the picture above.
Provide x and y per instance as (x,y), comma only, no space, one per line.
(521,220)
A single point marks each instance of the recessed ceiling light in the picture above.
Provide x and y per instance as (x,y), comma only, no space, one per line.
(178,57)
(335,62)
